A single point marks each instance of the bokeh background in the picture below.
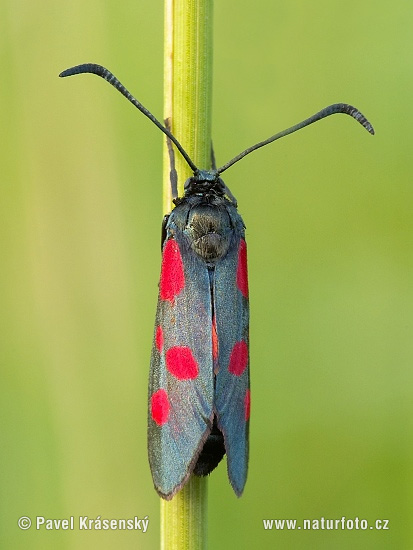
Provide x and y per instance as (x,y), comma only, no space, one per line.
(329,227)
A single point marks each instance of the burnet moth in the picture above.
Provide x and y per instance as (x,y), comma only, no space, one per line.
(199,396)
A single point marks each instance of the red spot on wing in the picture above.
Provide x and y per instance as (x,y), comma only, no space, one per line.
(214,340)
(247,405)
(172,272)
(238,360)
(242,272)
(159,338)
(160,407)
(181,363)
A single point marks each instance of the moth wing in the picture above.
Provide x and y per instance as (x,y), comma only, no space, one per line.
(232,394)
(181,386)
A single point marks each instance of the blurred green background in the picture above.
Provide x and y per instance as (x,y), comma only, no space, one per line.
(329,227)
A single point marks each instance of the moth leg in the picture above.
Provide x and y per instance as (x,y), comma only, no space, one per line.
(163,230)
(213,163)
(173,176)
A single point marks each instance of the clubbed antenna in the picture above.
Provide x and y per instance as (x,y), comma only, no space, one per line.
(111,78)
(327,111)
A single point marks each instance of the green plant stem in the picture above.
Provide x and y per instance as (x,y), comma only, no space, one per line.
(184,518)
(188,85)
(187,103)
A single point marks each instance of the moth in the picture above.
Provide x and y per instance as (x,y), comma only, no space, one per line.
(199,386)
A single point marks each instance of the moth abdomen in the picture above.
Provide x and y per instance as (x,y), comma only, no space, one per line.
(212,452)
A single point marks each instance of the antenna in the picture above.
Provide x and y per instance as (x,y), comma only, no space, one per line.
(111,78)
(327,111)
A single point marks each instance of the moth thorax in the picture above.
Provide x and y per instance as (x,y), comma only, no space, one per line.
(208,228)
